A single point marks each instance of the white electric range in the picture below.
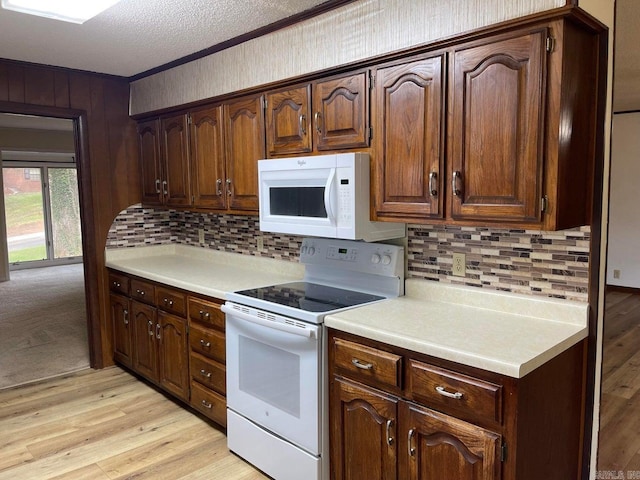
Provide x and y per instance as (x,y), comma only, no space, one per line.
(277,395)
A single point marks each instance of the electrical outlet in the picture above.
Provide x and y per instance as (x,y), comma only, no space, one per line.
(459,265)
(201,236)
(616,274)
(260,242)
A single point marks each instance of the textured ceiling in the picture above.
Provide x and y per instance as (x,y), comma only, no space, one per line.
(137,35)
(626,84)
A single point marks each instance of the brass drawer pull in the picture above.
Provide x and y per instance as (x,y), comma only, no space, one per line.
(442,391)
(204,373)
(116,284)
(204,314)
(126,317)
(206,404)
(205,344)
(363,366)
(168,302)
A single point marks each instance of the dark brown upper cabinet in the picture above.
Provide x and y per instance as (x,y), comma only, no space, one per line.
(409,110)
(245,145)
(207,157)
(497,129)
(326,115)
(164,160)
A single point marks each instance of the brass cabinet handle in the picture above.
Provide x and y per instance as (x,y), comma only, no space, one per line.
(140,292)
(228,182)
(318,121)
(126,317)
(205,344)
(412,450)
(168,302)
(204,315)
(204,373)
(433,184)
(303,124)
(389,437)
(206,404)
(219,186)
(158,331)
(363,366)
(116,284)
(150,328)
(442,391)
(454,183)
(157,185)
(165,188)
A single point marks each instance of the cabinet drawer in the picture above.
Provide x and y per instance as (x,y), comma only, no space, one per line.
(171,301)
(466,397)
(142,291)
(205,312)
(366,364)
(119,283)
(207,342)
(208,372)
(209,403)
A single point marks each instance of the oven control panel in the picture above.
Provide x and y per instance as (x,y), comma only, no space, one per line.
(376,258)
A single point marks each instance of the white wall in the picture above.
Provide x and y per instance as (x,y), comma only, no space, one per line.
(624,207)
(354,32)
(604,10)
(4,253)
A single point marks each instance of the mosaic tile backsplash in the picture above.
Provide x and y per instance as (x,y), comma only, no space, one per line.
(552,264)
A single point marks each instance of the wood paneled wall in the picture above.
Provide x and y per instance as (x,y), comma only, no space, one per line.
(107,163)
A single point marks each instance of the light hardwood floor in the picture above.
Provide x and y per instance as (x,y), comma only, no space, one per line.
(106,424)
(619,442)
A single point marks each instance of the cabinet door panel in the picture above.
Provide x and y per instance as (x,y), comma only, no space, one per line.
(363,430)
(149,144)
(438,446)
(175,154)
(173,364)
(245,145)
(288,121)
(341,113)
(497,105)
(120,316)
(207,157)
(145,347)
(409,107)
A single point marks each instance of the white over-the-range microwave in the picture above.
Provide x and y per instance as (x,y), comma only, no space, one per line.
(322,196)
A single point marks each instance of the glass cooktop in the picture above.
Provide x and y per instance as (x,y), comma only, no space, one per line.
(310,297)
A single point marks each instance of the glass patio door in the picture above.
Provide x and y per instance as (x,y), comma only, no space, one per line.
(42,211)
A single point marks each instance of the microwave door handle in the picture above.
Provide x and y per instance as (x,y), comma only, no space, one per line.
(329,196)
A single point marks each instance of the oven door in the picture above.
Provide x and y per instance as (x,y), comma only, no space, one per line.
(273,373)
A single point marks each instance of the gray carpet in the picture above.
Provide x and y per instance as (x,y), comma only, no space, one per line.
(43,327)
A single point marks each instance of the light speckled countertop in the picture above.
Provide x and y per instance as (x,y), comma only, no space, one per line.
(497,331)
(200,270)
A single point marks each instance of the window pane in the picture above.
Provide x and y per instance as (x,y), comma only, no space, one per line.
(65,212)
(24,213)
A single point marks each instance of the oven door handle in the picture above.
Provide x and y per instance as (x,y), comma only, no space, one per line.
(302,332)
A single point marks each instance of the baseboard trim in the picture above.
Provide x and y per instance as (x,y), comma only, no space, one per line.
(618,288)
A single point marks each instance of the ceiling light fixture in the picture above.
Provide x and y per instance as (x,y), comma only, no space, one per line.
(74,11)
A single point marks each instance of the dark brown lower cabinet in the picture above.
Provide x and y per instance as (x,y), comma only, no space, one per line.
(364,425)
(120,308)
(434,445)
(174,339)
(396,414)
